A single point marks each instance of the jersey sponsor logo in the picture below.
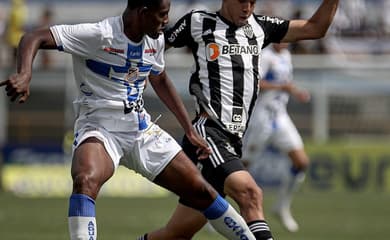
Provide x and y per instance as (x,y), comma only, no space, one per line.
(151,51)
(132,74)
(112,50)
(236,128)
(236,49)
(272,19)
(237,115)
(177,31)
(214,50)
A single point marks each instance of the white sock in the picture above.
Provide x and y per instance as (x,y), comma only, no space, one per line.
(81,218)
(225,220)
(289,186)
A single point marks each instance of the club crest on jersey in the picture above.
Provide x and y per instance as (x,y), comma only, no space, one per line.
(132,74)
(248,30)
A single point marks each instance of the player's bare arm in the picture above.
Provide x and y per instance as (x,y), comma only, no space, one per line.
(164,88)
(18,84)
(315,27)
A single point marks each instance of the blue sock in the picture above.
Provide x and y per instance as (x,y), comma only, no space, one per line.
(217,208)
(81,217)
(226,220)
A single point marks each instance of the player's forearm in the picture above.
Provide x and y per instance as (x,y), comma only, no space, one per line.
(168,94)
(323,17)
(287,87)
(28,48)
(315,27)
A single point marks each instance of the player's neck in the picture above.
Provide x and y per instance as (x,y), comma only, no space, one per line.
(131,26)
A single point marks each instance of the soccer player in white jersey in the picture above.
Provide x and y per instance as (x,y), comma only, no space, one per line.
(112,61)
(270,125)
(227,46)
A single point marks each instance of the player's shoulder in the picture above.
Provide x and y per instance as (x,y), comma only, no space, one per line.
(110,26)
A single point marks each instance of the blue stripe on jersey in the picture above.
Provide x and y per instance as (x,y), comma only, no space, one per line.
(216,209)
(81,205)
(104,69)
(144,68)
(154,72)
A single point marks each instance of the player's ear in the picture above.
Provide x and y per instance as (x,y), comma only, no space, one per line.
(143,10)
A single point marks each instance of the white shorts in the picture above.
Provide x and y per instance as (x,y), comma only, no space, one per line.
(146,152)
(270,128)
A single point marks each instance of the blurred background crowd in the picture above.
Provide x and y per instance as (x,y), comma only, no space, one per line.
(361,26)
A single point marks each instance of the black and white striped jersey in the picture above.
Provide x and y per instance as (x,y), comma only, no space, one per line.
(227,60)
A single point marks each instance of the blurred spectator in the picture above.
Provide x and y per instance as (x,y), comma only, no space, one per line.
(356,11)
(15,26)
(2,31)
(45,21)
(386,16)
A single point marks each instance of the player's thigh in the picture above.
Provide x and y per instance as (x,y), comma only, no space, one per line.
(95,152)
(181,176)
(91,167)
(286,137)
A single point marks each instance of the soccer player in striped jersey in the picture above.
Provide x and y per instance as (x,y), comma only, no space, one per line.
(112,60)
(270,125)
(227,46)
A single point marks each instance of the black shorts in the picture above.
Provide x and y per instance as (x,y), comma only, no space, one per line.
(225,158)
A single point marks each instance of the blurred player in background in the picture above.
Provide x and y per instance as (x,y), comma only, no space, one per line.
(112,60)
(226,46)
(270,124)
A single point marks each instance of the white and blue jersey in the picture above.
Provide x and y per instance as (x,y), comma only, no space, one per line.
(110,70)
(270,124)
(276,68)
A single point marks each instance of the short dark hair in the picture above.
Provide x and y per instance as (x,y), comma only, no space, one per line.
(132,4)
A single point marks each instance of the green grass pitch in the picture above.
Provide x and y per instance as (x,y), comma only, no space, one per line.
(322,216)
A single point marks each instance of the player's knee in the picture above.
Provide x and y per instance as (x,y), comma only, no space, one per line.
(203,191)
(249,195)
(85,184)
(200,195)
(303,163)
(300,160)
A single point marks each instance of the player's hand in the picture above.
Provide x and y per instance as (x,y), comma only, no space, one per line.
(203,150)
(17,87)
(302,95)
